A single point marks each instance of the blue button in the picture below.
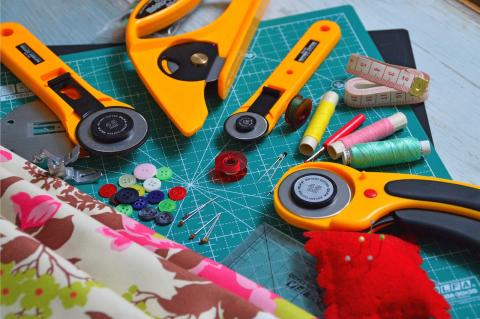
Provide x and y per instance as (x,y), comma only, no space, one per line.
(126,195)
(140,203)
(155,197)
(163,219)
(147,214)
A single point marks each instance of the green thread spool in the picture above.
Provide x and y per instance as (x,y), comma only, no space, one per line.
(396,151)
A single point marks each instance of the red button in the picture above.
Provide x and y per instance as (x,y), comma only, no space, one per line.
(107,190)
(177,193)
(370,193)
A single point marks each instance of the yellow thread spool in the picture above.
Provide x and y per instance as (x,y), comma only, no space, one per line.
(319,123)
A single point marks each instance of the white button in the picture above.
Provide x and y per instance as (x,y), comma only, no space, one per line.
(152,184)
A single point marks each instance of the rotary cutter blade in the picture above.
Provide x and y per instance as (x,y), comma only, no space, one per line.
(322,195)
(100,124)
(258,116)
(112,130)
(314,193)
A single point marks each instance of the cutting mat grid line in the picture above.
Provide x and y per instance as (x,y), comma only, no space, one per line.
(245,204)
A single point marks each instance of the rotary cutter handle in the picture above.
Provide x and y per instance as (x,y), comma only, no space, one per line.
(178,69)
(258,116)
(322,195)
(100,124)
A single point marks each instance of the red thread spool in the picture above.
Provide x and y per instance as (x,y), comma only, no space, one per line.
(230,166)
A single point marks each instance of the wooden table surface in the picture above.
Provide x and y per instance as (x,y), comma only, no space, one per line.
(445,37)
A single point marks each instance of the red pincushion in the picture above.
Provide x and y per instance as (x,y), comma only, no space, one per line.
(392,285)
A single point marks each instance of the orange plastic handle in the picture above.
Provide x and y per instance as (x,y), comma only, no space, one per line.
(362,209)
(162,17)
(292,73)
(34,64)
(184,101)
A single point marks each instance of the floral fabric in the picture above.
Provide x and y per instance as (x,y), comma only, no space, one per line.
(53,200)
(38,283)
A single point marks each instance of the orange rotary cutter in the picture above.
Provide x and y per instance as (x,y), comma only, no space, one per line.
(258,116)
(100,124)
(177,70)
(323,195)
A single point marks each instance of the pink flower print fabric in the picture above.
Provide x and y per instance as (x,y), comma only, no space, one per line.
(34,211)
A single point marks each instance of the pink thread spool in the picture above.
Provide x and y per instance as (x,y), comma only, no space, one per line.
(374,132)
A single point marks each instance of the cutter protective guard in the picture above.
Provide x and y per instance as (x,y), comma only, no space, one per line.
(324,195)
(177,69)
(258,116)
(99,123)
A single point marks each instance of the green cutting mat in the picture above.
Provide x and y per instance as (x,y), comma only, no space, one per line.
(246,204)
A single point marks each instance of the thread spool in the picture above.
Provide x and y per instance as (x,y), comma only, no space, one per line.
(396,151)
(298,111)
(373,132)
(314,132)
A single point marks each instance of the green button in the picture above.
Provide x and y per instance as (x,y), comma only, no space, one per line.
(167,205)
(125,209)
(164,173)
(127,180)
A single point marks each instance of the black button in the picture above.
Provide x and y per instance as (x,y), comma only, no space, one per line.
(163,219)
(155,197)
(313,190)
(126,196)
(111,127)
(147,214)
(245,123)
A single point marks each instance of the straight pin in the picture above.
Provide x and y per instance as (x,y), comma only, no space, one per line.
(192,236)
(189,215)
(205,239)
(279,158)
(278,165)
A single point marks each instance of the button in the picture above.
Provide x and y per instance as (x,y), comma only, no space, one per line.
(126,195)
(152,184)
(155,197)
(370,193)
(107,190)
(139,188)
(313,190)
(147,214)
(245,123)
(125,209)
(167,205)
(140,203)
(163,219)
(177,193)
(127,180)
(164,173)
(113,200)
(144,171)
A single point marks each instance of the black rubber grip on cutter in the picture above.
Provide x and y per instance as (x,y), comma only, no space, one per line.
(438,192)
(463,228)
